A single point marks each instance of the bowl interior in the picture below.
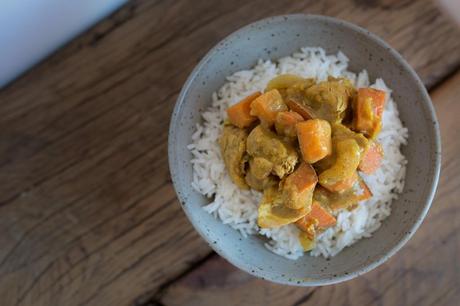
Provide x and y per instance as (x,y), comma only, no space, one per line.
(281,36)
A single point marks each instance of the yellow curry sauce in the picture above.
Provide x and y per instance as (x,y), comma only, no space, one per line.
(303,143)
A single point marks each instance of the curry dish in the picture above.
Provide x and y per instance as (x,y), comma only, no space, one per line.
(303,143)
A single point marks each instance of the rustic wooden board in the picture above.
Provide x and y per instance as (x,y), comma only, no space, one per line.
(88,215)
(425,272)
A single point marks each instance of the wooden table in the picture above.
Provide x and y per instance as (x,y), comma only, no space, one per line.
(88,214)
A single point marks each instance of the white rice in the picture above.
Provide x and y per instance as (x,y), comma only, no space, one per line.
(238,208)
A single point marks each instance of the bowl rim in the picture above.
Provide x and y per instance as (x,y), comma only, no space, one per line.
(364,268)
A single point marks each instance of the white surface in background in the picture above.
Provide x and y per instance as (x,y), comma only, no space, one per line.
(31,29)
(451,7)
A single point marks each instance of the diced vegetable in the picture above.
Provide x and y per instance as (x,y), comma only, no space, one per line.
(266,106)
(324,218)
(264,143)
(318,216)
(297,188)
(367,111)
(273,213)
(239,114)
(285,123)
(314,139)
(346,163)
(365,191)
(372,158)
(307,225)
(284,81)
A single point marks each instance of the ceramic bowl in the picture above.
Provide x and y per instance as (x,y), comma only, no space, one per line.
(280,36)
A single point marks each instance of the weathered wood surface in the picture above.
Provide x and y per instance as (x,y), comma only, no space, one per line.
(425,272)
(88,215)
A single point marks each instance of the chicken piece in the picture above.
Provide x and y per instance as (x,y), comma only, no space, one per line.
(261,184)
(258,176)
(346,162)
(265,144)
(331,98)
(273,213)
(260,167)
(233,149)
(297,188)
(326,100)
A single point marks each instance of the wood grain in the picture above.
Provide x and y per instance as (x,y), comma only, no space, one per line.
(425,272)
(87,212)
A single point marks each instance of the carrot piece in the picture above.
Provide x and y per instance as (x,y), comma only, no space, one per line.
(239,114)
(318,216)
(285,123)
(366,192)
(368,110)
(267,106)
(314,139)
(344,184)
(303,178)
(306,225)
(372,158)
(299,108)
(297,188)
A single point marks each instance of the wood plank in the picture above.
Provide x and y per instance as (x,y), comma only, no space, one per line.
(425,272)
(87,211)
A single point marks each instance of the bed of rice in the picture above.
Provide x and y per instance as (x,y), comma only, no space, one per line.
(238,208)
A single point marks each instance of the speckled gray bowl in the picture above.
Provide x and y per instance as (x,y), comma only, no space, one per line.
(280,36)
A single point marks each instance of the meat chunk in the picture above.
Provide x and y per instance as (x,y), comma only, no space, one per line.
(265,144)
(273,213)
(258,176)
(233,148)
(260,184)
(326,100)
